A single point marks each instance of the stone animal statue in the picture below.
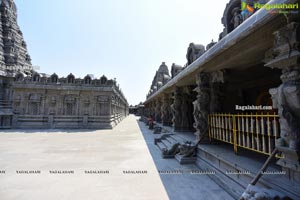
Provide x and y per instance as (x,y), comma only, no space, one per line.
(188,149)
(172,151)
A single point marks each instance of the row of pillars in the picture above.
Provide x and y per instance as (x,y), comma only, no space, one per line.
(187,108)
(176,109)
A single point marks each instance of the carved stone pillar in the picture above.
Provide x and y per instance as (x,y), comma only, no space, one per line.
(158,110)
(51,121)
(166,110)
(187,109)
(109,106)
(43,105)
(176,109)
(152,106)
(202,104)
(286,56)
(217,91)
(26,104)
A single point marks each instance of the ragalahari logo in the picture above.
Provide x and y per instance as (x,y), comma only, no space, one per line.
(247,8)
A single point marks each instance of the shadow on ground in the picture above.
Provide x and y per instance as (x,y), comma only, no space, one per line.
(179,180)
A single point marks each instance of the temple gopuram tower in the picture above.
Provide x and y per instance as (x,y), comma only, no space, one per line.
(13,50)
(14,58)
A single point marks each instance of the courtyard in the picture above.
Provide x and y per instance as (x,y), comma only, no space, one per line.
(122,163)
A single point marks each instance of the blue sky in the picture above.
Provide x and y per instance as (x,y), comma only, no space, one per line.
(123,39)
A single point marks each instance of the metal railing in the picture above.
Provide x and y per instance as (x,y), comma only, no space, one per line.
(255,132)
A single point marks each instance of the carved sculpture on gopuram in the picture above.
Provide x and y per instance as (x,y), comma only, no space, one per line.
(194,51)
(176,109)
(14,46)
(235,13)
(175,69)
(286,98)
(201,105)
(237,18)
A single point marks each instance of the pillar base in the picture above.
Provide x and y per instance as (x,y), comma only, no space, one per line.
(291,158)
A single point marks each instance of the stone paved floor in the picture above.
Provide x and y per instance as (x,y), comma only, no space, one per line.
(122,148)
(118,150)
(185,186)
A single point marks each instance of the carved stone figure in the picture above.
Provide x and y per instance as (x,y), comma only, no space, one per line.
(184,113)
(201,105)
(286,98)
(237,18)
(210,45)
(217,91)
(166,111)
(188,149)
(176,108)
(158,111)
(172,151)
(175,69)
(194,51)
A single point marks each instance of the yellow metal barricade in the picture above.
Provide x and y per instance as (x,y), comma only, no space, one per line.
(255,132)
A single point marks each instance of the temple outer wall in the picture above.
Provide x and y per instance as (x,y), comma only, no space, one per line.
(38,105)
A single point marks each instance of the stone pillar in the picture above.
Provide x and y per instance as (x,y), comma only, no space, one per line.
(158,110)
(152,109)
(202,105)
(286,98)
(15,121)
(85,120)
(51,121)
(77,104)
(109,108)
(166,114)
(26,104)
(187,109)
(60,105)
(217,93)
(176,109)
(43,104)
(209,100)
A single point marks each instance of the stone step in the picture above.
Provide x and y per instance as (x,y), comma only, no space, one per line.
(185,160)
(161,145)
(232,187)
(224,166)
(167,144)
(170,140)
(178,138)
